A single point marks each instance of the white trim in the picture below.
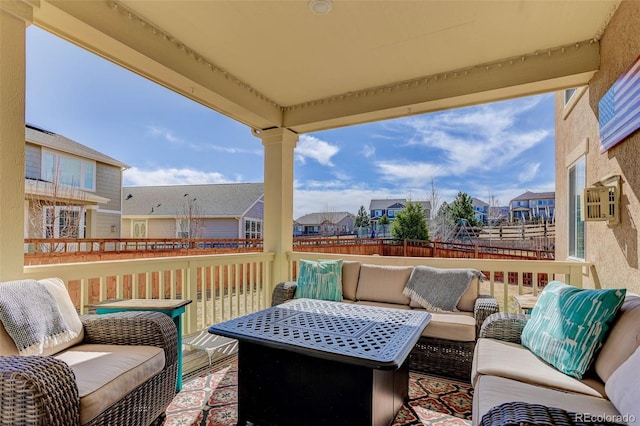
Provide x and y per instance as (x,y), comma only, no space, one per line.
(109,211)
(573,100)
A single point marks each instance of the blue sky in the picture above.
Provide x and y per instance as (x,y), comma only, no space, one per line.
(500,149)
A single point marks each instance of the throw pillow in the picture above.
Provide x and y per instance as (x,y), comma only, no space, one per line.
(320,280)
(568,325)
(623,390)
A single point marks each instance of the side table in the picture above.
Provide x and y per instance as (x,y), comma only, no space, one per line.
(174,308)
(525,302)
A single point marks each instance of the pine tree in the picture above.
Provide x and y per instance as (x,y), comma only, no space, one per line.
(462,208)
(410,223)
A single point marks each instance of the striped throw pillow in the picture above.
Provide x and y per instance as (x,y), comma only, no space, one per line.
(568,325)
(320,280)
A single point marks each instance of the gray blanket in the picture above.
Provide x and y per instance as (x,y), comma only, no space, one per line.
(31,317)
(439,289)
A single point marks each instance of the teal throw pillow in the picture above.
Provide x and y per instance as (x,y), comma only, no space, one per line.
(320,280)
(568,325)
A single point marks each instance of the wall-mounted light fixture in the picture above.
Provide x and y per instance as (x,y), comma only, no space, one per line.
(320,7)
(113,228)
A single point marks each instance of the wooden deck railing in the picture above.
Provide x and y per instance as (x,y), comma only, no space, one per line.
(221,286)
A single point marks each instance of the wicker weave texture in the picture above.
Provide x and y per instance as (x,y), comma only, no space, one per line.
(282,292)
(504,326)
(523,413)
(41,390)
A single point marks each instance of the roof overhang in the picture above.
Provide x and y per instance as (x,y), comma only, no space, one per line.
(276,64)
(35,189)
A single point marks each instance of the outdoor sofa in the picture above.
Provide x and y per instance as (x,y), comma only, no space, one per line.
(513,385)
(447,344)
(113,369)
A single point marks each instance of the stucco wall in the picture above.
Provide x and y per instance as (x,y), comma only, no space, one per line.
(612,249)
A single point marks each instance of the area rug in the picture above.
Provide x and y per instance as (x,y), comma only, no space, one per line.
(210,398)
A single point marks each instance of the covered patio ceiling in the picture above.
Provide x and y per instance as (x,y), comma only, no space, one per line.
(277,64)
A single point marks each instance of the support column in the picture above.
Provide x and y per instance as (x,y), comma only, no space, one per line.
(14,17)
(278,145)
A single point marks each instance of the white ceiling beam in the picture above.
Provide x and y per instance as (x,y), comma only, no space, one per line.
(531,74)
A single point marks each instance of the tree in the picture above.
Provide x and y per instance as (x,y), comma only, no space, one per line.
(190,222)
(443,224)
(434,199)
(410,223)
(383,222)
(462,208)
(362,221)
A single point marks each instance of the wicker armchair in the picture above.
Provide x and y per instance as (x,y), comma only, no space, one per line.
(524,414)
(442,357)
(42,390)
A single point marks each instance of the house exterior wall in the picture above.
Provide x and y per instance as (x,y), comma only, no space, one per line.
(104,221)
(220,228)
(612,249)
(256,212)
(160,228)
(109,185)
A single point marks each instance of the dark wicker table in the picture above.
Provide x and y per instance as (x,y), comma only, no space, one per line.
(315,362)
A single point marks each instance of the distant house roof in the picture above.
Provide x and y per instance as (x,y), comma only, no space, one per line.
(213,200)
(535,196)
(476,202)
(383,204)
(319,218)
(57,142)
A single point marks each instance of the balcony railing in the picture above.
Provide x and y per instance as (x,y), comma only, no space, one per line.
(224,286)
(221,286)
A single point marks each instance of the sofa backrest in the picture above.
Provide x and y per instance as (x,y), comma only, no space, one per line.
(350,276)
(623,339)
(383,283)
(68,312)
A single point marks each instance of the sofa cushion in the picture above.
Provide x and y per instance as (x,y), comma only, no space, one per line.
(383,283)
(382,304)
(320,280)
(623,339)
(513,361)
(350,275)
(68,312)
(491,391)
(568,325)
(468,299)
(458,326)
(622,387)
(105,373)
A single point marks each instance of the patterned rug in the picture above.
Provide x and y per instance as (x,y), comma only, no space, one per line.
(210,398)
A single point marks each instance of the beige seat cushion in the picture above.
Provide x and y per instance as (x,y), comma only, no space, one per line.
(350,275)
(623,339)
(513,361)
(382,305)
(458,326)
(490,391)
(69,315)
(383,283)
(467,302)
(105,373)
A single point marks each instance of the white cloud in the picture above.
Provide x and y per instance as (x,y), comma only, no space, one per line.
(368,151)
(481,138)
(414,173)
(529,172)
(139,177)
(319,150)
(167,135)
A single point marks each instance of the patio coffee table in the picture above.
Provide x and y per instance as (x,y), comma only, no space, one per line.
(313,362)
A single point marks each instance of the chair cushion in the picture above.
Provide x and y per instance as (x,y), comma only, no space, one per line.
(458,326)
(105,373)
(491,391)
(513,361)
(383,283)
(350,275)
(568,325)
(623,339)
(320,280)
(622,387)
(68,312)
